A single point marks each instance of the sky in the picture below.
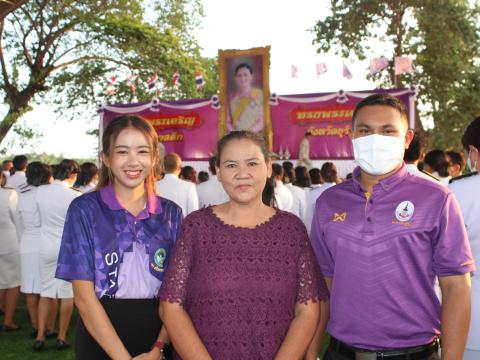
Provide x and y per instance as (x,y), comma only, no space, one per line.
(228,24)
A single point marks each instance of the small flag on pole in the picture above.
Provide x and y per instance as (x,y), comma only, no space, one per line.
(199,81)
(176,80)
(321,69)
(346,72)
(403,64)
(153,83)
(131,82)
(110,90)
(378,64)
(294,71)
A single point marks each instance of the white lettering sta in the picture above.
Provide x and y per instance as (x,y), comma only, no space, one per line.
(110,259)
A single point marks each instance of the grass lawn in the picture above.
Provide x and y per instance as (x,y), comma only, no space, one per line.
(18,344)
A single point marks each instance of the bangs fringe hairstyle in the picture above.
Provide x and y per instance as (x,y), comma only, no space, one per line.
(110,136)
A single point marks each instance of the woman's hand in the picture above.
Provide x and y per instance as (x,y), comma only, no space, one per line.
(153,354)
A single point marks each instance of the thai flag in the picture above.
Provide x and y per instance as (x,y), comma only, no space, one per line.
(176,80)
(199,82)
(152,83)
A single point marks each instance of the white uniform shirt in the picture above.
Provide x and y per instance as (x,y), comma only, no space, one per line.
(17,180)
(30,219)
(8,221)
(312,197)
(211,192)
(53,201)
(87,188)
(181,192)
(283,196)
(299,206)
(412,169)
(467,192)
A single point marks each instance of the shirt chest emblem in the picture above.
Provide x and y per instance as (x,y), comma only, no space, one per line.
(159,260)
(339,217)
(404,211)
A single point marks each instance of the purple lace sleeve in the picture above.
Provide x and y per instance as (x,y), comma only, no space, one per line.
(174,285)
(311,285)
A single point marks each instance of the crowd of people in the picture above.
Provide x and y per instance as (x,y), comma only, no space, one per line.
(256,260)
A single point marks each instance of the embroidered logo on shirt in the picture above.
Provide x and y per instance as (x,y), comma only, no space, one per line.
(404,211)
(339,217)
(159,258)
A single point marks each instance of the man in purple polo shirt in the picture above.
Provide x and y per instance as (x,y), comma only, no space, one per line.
(380,239)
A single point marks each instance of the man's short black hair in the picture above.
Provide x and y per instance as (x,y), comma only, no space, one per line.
(456,158)
(20,162)
(418,146)
(471,135)
(383,100)
(277,170)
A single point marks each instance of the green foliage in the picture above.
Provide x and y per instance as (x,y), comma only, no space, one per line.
(442,35)
(62,52)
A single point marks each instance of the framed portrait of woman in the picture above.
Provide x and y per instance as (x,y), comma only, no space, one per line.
(245,91)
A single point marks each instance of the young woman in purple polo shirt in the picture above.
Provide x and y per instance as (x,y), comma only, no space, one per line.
(116,247)
(243,282)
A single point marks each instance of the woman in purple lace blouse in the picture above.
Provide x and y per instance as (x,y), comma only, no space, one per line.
(243,282)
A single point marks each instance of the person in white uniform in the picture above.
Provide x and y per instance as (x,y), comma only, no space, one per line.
(9,253)
(18,179)
(283,196)
(171,187)
(6,166)
(37,174)
(87,178)
(52,201)
(416,153)
(299,188)
(467,192)
(436,163)
(329,175)
(211,192)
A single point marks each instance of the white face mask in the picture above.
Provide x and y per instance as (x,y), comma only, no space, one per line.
(472,167)
(378,154)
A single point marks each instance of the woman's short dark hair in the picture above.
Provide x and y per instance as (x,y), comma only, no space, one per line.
(88,170)
(437,160)
(38,173)
(471,135)
(243,65)
(65,169)
(268,196)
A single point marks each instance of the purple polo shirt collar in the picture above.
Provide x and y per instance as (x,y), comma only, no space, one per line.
(108,197)
(386,183)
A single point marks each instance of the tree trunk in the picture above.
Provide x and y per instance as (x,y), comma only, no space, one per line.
(14,113)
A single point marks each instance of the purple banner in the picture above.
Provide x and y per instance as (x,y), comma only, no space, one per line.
(327,116)
(188,128)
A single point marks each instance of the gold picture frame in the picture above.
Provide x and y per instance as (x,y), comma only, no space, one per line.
(237,110)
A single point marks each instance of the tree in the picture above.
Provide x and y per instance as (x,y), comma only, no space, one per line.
(62,52)
(442,35)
